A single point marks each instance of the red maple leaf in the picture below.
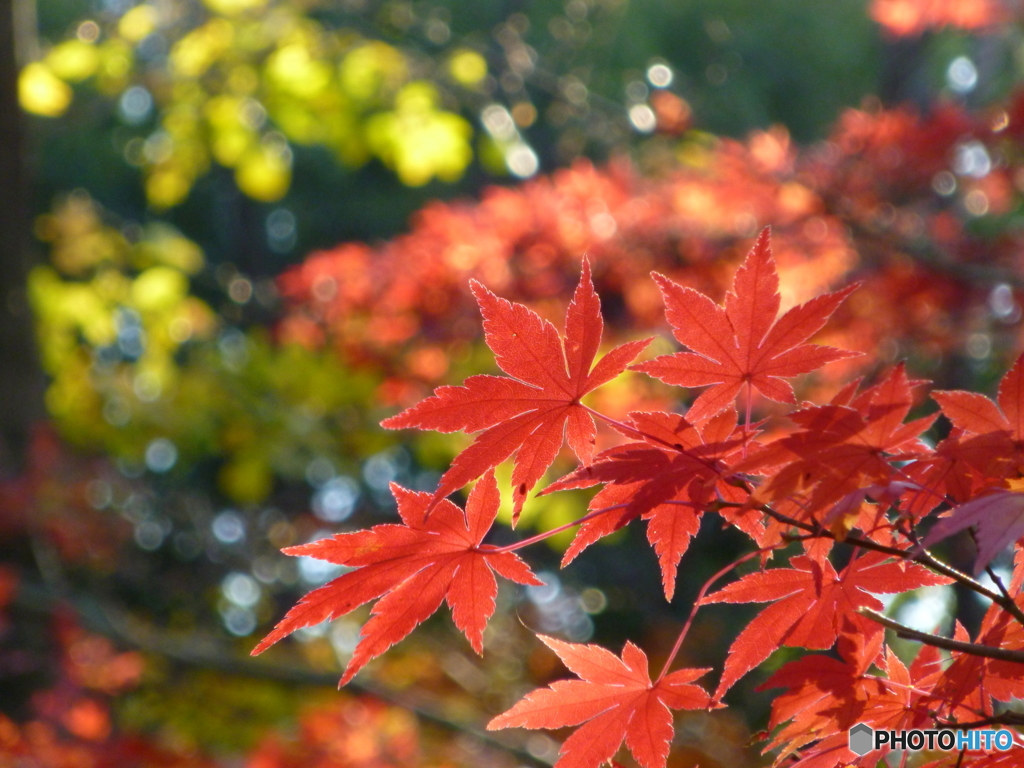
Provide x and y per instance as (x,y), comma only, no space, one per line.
(668,479)
(826,696)
(813,604)
(842,447)
(415,566)
(976,414)
(531,411)
(966,686)
(986,449)
(742,342)
(993,432)
(616,701)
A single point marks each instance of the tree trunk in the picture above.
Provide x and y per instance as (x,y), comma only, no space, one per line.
(21,381)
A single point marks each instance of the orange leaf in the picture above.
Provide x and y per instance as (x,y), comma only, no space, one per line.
(615,701)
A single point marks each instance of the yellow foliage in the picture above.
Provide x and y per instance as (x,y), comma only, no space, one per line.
(73,60)
(224,111)
(163,245)
(243,79)
(264,174)
(66,309)
(233,7)
(231,138)
(159,289)
(112,286)
(246,478)
(467,67)
(181,121)
(299,123)
(167,187)
(293,69)
(70,402)
(419,141)
(131,354)
(41,92)
(115,64)
(178,155)
(78,245)
(196,52)
(230,145)
(372,70)
(252,68)
(137,23)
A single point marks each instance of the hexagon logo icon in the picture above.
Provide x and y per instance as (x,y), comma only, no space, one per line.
(861,739)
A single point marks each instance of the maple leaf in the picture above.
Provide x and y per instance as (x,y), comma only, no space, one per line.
(742,342)
(947,474)
(842,447)
(414,566)
(667,479)
(966,686)
(993,441)
(616,701)
(989,443)
(529,413)
(998,520)
(813,602)
(826,696)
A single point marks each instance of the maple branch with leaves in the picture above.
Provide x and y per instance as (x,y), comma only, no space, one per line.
(918,555)
(852,470)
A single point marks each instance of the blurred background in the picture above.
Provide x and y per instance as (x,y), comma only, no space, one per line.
(235,234)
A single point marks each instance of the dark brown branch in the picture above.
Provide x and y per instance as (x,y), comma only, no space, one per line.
(972,649)
(1006,718)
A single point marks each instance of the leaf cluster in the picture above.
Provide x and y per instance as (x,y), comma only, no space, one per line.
(850,470)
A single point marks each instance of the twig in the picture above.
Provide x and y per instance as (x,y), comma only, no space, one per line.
(698,602)
(1006,718)
(488,549)
(927,638)
(923,556)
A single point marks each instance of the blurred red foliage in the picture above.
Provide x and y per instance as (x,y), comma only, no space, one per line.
(51,498)
(347,733)
(912,17)
(909,204)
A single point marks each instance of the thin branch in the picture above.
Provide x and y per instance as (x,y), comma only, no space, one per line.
(697,604)
(627,429)
(923,556)
(998,582)
(489,550)
(1006,718)
(972,649)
